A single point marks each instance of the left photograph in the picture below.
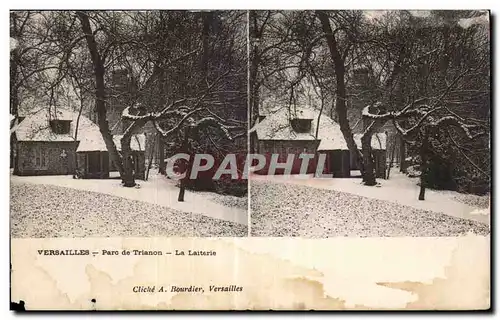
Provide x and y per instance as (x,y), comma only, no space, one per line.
(128,124)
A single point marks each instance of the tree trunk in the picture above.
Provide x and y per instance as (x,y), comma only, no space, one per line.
(182,190)
(402,155)
(14,89)
(14,95)
(254,65)
(392,155)
(76,133)
(161,155)
(421,195)
(128,178)
(185,149)
(100,94)
(369,172)
(14,67)
(340,103)
(151,154)
(423,167)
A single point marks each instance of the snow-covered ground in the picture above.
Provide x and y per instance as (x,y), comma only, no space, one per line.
(325,207)
(157,190)
(398,189)
(44,210)
(293,210)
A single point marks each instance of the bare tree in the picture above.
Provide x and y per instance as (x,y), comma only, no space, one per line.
(339,56)
(161,97)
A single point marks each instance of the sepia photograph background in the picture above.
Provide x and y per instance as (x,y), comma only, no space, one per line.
(404,126)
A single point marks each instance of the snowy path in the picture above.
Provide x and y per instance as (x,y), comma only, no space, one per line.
(157,190)
(398,189)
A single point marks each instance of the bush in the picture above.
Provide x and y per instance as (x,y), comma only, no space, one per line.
(440,175)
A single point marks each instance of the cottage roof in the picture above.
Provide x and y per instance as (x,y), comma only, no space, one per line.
(36,127)
(378,142)
(276,126)
(137,143)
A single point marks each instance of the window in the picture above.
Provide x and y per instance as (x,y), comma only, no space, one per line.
(41,158)
(60,126)
(301,125)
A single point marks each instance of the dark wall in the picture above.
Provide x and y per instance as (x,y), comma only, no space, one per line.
(55,164)
(140,157)
(338,162)
(285,147)
(103,173)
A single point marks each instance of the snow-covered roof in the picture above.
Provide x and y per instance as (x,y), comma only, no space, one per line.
(137,143)
(96,144)
(276,126)
(378,142)
(36,127)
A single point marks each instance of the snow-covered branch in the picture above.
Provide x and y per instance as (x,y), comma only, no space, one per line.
(187,116)
(169,107)
(403,113)
(127,115)
(454,121)
(212,122)
(406,132)
(185,113)
(440,123)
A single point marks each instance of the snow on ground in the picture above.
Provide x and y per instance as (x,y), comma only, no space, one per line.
(157,190)
(227,200)
(484,212)
(43,210)
(288,209)
(398,189)
(474,200)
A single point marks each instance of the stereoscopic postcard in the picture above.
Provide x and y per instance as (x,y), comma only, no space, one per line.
(250,160)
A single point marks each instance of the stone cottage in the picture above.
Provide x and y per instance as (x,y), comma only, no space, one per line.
(287,131)
(56,141)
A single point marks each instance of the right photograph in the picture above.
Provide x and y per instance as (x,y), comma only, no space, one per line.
(369,123)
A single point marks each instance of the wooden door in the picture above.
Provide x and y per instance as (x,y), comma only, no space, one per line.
(93,162)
